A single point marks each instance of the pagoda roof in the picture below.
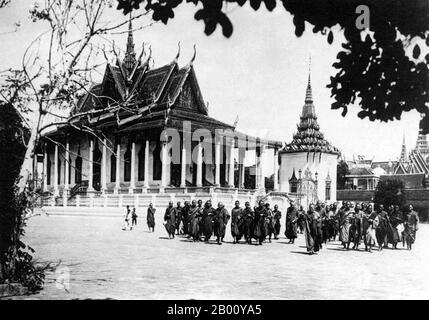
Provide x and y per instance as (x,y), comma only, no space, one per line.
(308,137)
(132,97)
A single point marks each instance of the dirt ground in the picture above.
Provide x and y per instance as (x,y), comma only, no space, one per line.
(98,260)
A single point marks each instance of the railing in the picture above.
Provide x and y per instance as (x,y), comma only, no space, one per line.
(74,190)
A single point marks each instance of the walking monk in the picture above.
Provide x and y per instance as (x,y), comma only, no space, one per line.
(277,215)
(170,220)
(150,218)
(411,226)
(220,221)
(236,221)
(291,222)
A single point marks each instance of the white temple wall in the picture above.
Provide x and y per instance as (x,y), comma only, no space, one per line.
(322,163)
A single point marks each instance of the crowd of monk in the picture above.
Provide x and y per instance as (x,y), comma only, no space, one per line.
(348,222)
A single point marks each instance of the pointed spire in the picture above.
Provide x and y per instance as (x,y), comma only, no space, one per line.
(308,137)
(308,111)
(308,92)
(403,156)
(130,55)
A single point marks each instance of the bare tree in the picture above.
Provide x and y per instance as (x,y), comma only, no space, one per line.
(58,66)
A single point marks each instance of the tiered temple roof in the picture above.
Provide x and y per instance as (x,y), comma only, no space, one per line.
(134,97)
(308,138)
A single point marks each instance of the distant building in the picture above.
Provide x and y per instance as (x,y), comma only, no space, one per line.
(411,168)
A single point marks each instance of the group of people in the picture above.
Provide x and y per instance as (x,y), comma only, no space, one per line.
(351,223)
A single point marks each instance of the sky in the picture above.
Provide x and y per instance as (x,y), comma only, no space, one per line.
(259,74)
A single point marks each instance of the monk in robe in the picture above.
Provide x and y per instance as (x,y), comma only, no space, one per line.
(411,225)
(356,227)
(306,218)
(179,218)
(277,215)
(291,222)
(170,220)
(185,217)
(269,222)
(236,221)
(369,224)
(259,222)
(200,213)
(382,228)
(221,219)
(345,222)
(247,225)
(150,217)
(207,220)
(194,216)
(301,222)
(316,227)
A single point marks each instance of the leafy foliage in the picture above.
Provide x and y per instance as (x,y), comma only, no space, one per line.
(374,70)
(390,192)
(342,171)
(15,256)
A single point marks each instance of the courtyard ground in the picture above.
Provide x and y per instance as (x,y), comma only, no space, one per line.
(102,261)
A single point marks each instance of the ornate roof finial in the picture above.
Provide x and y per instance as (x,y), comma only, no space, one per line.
(195,54)
(178,52)
(403,156)
(130,55)
(309,93)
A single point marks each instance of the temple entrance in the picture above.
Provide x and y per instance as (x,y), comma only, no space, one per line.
(96,176)
(308,192)
(78,169)
(175,172)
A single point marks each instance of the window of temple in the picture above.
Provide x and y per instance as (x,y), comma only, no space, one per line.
(293,183)
(141,163)
(127,163)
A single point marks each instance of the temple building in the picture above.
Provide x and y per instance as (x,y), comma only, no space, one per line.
(157,142)
(412,168)
(308,164)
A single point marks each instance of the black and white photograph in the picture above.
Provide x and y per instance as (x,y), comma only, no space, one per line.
(218,150)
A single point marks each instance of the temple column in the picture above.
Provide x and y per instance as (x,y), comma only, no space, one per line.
(199,165)
(56,191)
(133,168)
(164,167)
(146,165)
(231,165)
(104,167)
(118,169)
(67,169)
(261,168)
(183,167)
(276,170)
(91,166)
(217,163)
(45,169)
(241,173)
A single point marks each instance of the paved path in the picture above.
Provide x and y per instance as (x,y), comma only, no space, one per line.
(105,262)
